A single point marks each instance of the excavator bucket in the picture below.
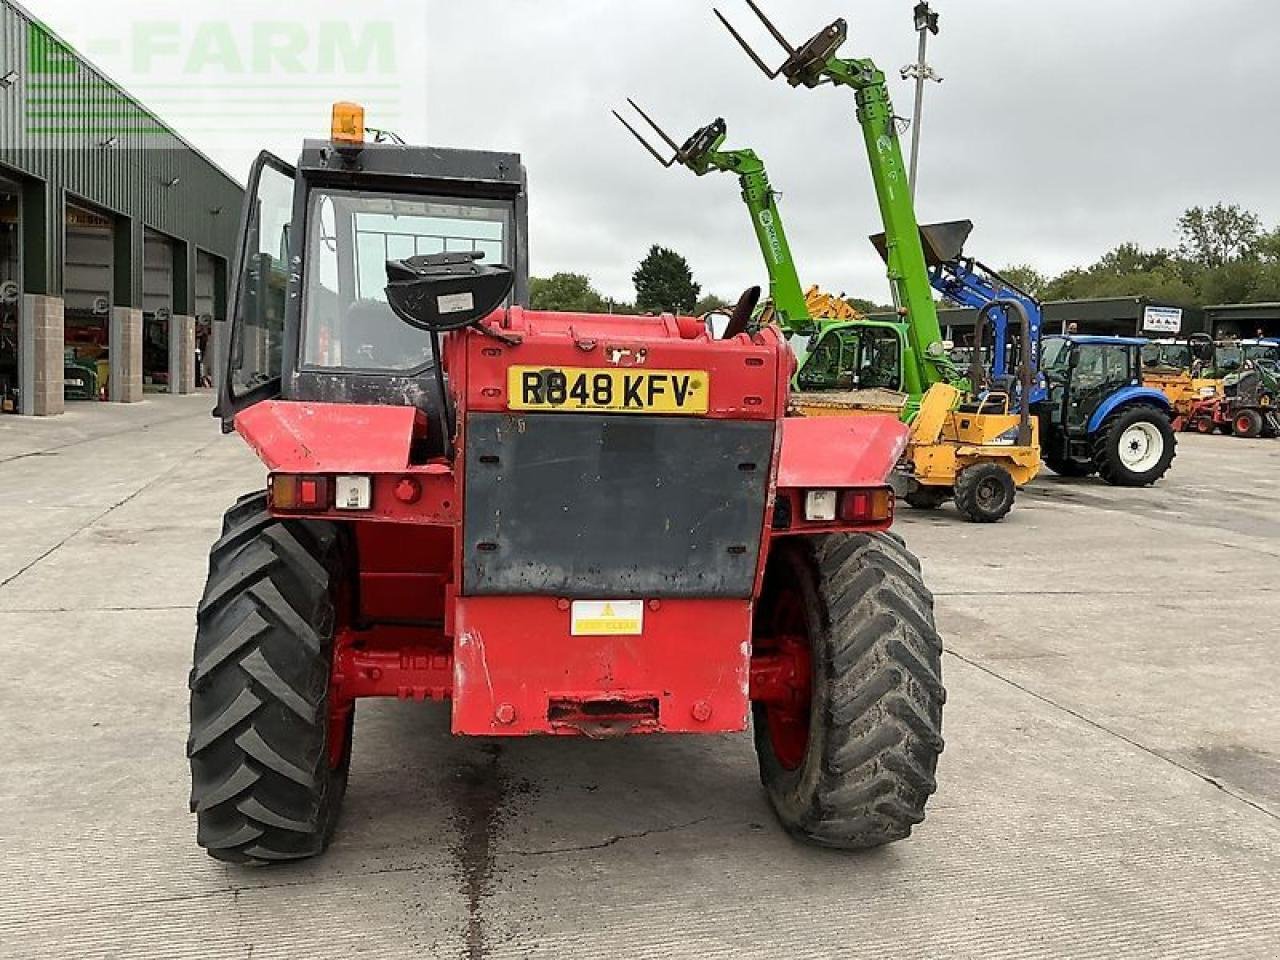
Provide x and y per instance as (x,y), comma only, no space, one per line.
(942,241)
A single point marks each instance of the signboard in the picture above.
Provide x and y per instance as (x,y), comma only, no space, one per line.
(1162,319)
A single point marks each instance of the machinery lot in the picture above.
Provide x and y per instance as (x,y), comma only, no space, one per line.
(1110,787)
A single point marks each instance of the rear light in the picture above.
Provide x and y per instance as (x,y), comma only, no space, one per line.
(866,506)
(291,491)
(820,505)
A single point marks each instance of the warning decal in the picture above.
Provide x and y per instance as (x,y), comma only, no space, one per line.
(607,618)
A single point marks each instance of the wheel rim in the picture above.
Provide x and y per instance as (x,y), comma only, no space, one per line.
(788,719)
(1204,426)
(990,494)
(1141,446)
(1244,423)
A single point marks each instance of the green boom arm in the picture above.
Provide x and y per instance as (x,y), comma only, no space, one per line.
(766,220)
(816,63)
(701,153)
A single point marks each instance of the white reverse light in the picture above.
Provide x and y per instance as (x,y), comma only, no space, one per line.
(352,493)
(820,505)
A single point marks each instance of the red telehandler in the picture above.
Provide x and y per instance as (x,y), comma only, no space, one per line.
(562,523)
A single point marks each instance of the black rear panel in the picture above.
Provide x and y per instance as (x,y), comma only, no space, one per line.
(588,505)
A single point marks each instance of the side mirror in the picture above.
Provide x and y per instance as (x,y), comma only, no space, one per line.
(1073,359)
(446,291)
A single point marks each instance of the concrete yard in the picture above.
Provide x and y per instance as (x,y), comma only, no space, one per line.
(1110,787)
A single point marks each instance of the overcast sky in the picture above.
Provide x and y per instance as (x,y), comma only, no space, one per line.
(1062,126)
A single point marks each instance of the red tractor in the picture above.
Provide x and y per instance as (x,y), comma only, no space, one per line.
(562,523)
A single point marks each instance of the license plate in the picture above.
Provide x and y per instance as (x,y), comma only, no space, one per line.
(613,391)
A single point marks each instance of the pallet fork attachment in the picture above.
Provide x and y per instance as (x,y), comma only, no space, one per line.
(695,152)
(805,65)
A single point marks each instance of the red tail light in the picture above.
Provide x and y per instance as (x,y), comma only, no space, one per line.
(866,506)
(291,491)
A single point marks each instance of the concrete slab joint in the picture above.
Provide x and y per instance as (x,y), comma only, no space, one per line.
(182,354)
(126,355)
(41,356)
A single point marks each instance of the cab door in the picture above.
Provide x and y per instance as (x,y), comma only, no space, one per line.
(1097,371)
(262,275)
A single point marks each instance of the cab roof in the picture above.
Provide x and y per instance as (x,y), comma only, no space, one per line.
(1098,338)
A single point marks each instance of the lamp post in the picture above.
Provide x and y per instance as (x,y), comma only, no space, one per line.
(926,22)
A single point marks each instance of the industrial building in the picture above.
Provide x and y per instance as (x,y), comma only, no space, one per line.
(115,234)
(1110,316)
(1244,319)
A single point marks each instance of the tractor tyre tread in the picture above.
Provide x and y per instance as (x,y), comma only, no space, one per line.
(1253,423)
(1106,446)
(878,689)
(967,483)
(262,788)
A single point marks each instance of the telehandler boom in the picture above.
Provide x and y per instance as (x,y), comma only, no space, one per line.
(816,63)
(702,154)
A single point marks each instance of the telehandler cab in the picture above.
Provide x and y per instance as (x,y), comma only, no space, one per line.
(561,523)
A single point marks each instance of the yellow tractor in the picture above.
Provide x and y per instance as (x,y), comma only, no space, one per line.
(1185,371)
(978,447)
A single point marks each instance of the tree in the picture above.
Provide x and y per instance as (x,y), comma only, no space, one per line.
(868,307)
(1026,278)
(664,283)
(1125,271)
(711,304)
(1218,235)
(569,292)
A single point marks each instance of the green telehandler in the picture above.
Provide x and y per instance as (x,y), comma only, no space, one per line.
(858,355)
(969,441)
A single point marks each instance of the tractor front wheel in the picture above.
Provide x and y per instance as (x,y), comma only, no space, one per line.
(268,760)
(1247,424)
(848,759)
(1135,446)
(985,492)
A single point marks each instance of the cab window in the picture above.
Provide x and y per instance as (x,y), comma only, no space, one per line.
(1101,364)
(257,347)
(825,365)
(346,321)
(879,365)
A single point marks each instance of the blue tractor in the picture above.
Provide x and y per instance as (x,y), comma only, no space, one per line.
(1095,413)
(1097,416)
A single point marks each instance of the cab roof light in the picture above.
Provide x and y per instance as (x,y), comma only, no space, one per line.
(348,123)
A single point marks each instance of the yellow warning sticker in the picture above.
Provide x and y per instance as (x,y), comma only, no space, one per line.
(607,618)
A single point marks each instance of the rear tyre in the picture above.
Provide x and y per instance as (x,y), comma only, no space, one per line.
(1135,446)
(268,766)
(928,498)
(985,492)
(853,767)
(1069,466)
(1247,424)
